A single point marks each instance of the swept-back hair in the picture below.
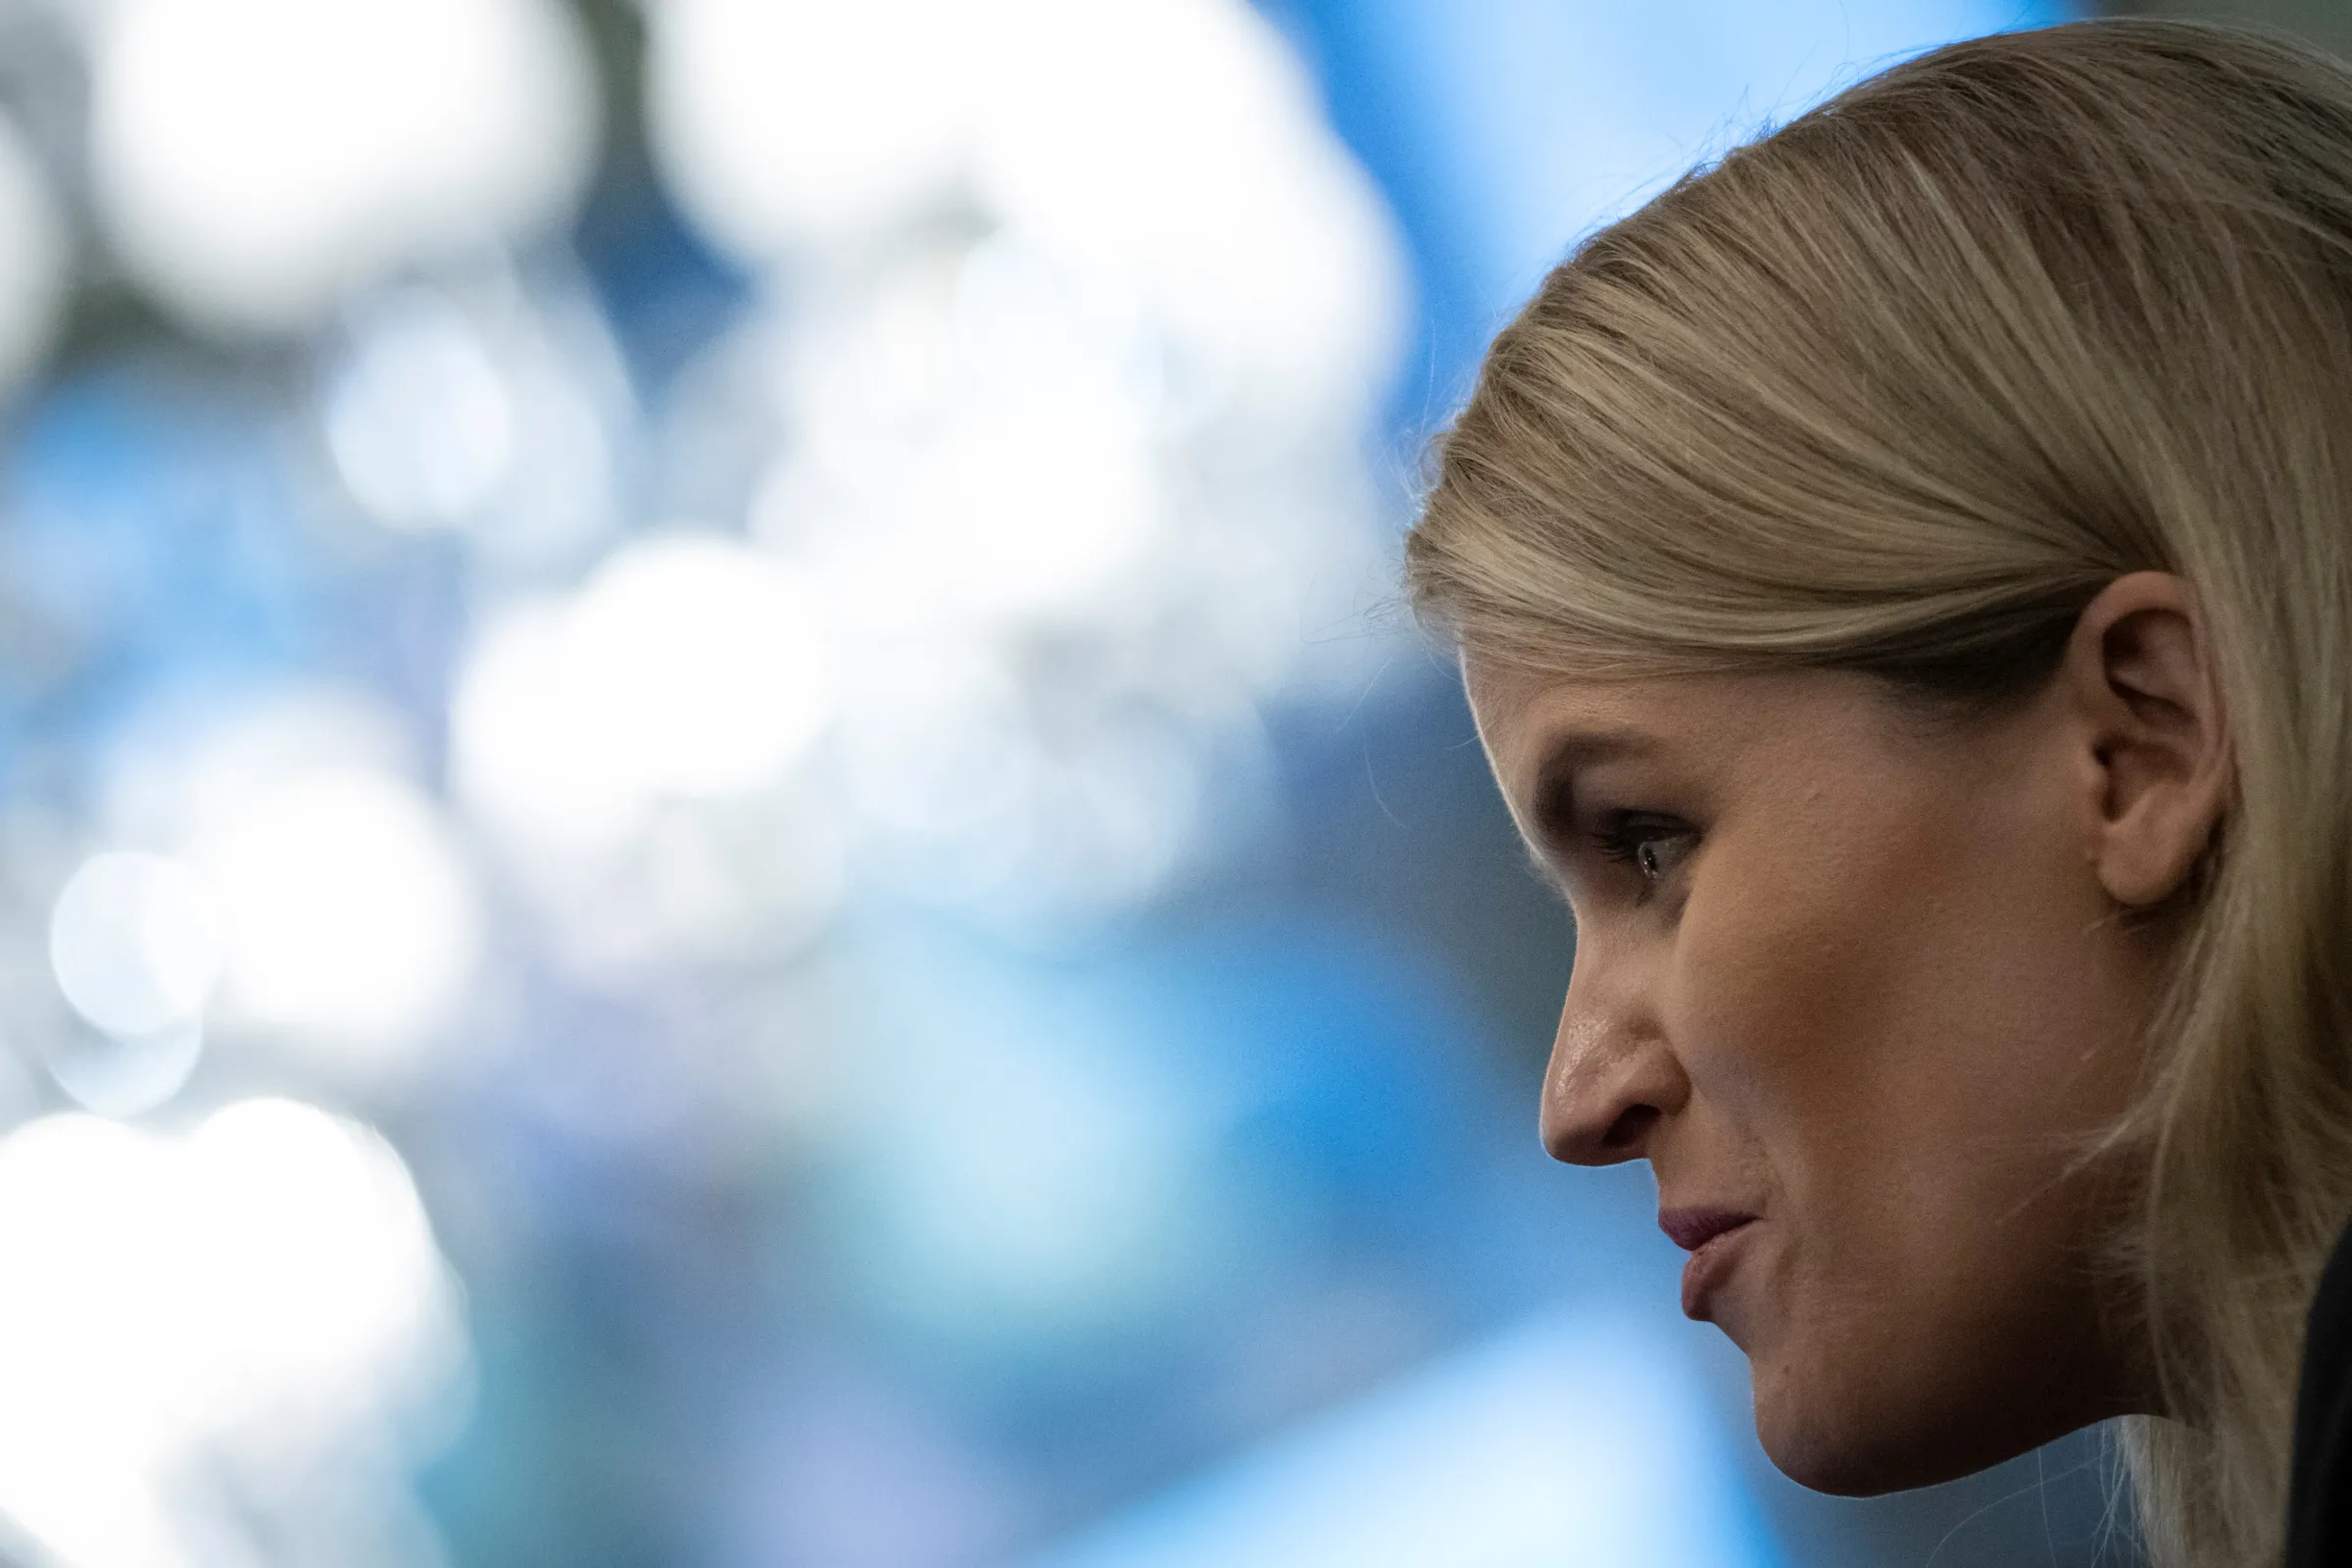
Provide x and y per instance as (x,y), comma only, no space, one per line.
(1899,388)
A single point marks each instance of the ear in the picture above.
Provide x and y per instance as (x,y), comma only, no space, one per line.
(2158,769)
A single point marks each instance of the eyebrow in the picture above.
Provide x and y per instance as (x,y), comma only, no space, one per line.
(1552,803)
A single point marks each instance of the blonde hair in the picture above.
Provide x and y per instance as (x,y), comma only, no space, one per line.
(1899,388)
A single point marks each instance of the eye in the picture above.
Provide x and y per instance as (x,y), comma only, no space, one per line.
(1651,860)
(1653,846)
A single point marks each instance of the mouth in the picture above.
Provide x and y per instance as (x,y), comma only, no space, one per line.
(1693,1228)
(1712,1237)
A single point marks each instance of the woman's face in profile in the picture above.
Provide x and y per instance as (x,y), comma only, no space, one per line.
(1854,984)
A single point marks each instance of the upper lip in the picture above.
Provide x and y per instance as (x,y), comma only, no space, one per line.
(1693,1228)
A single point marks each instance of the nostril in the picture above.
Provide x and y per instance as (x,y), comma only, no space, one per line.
(1630,1128)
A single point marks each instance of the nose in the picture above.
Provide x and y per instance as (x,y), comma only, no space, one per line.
(1613,1075)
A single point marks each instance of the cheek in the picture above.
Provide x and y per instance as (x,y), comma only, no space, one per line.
(1799,989)
(1900,1039)
(1860,989)
(1786,966)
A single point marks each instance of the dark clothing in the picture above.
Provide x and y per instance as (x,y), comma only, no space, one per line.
(2319,1508)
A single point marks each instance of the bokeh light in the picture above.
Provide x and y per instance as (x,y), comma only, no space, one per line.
(352,921)
(488,402)
(254,159)
(687,665)
(1074,472)
(696,668)
(263,1278)
(792,121)
(136,942)
(418,419)
(1207,179)
(320,1278)
(125,1075)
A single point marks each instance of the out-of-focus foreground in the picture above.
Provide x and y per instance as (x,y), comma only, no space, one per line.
(718,846)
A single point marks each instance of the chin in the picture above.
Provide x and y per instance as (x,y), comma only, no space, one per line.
(1842,1466)
(1862,1443)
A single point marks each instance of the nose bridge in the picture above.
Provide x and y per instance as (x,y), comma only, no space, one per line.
(1612,1072)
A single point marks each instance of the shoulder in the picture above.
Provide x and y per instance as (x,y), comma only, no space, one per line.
(2319,1502)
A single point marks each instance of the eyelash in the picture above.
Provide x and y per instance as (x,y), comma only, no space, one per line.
(1621,835)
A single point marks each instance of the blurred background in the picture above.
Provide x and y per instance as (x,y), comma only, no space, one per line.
(718,846)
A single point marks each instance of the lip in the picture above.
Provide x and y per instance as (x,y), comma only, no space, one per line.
(1712,1237)
(1692,1228)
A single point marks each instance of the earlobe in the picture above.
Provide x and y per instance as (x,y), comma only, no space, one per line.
(2139,667)
(2146,869)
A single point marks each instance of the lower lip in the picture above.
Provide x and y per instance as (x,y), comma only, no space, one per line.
(1707,1268)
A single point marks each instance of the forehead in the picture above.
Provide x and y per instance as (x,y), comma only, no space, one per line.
(1518,708)
(1525,718)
